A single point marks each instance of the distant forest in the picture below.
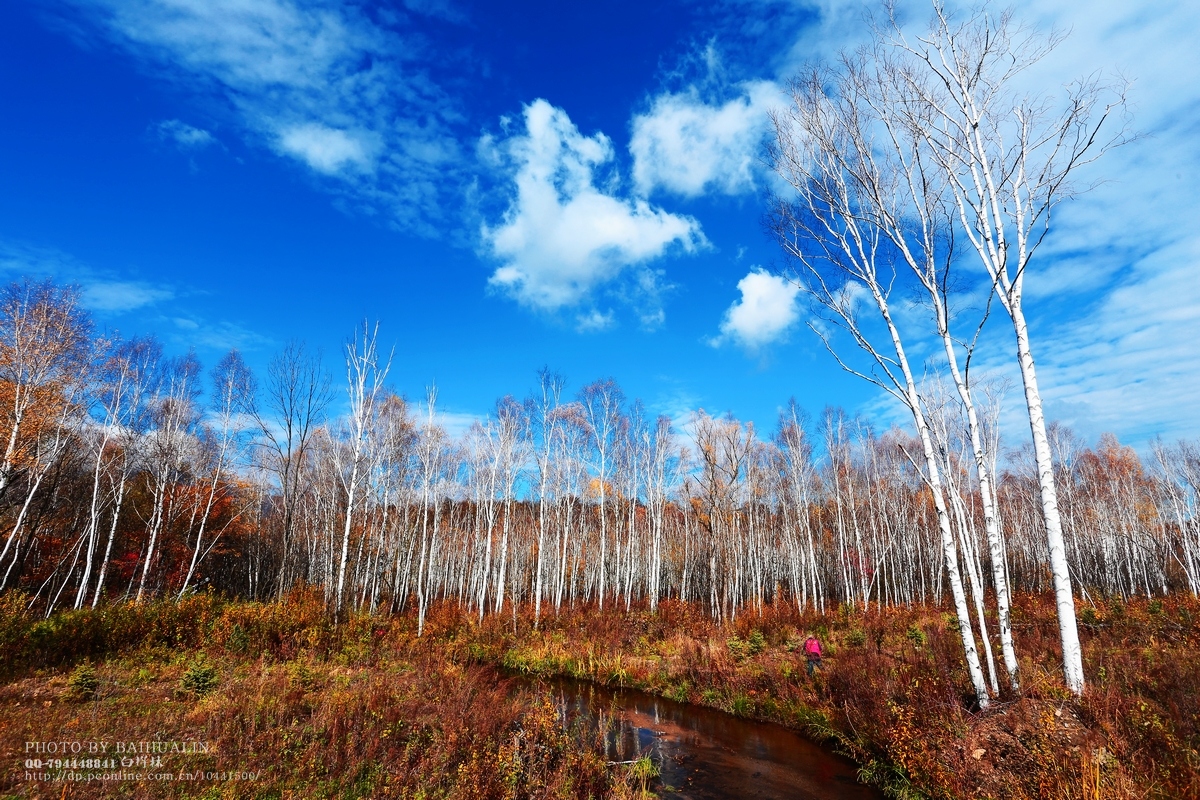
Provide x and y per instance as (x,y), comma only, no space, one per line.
(130,475)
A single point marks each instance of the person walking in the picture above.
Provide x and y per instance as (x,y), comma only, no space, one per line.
(812,652)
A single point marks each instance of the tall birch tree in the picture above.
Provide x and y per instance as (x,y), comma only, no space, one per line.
(849,264)
(1008,159)
(365,375)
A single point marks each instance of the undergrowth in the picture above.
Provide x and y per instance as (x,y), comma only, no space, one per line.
(366,708)
(295,706)
(893,692)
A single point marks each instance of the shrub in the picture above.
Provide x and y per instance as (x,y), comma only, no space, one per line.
(301,675)
(200,677)
(678,692)
(736,646)
(752,645)
(916,636)
(857,637)
(239,640)
(741,705)
(84,682)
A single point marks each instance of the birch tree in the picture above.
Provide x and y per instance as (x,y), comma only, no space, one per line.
(233,388)
(175,413)
(430,454)
(601,403)
(543,411)
(1009,159)
(127,382)
(902,190)
(297,393)
(45,339)
(848,263)
(1179,468)
(365,375)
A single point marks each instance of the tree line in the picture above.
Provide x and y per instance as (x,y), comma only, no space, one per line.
(128,475)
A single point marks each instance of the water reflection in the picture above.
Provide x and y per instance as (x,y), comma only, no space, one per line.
(704,754)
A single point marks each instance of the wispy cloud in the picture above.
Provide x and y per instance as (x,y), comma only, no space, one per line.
(101,292)
(1131,365)
(121,296)
(594,321)
(325,84)
(564,236)
(327,150)
(218,335)
(121,300)
(455,423)
(184,136)
(19,259)
(1114,295)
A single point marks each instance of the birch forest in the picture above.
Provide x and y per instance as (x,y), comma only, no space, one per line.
(129,475)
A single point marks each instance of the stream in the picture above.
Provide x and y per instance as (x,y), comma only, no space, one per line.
(702,753)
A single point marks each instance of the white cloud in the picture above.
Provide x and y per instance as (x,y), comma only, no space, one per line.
(197,331)
(184,136)
(323,83)
(1113,296)
(688,146)
(101,292)
(225,335)
(593,321)
(109,296)
(1131,366)
(763,314)
(324,149)
(455,423)
(563,237)
(120,296)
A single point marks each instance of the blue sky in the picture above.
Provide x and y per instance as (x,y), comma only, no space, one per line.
(507,186)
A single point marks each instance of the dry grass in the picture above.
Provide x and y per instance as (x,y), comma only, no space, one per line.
(368,709)
(894,694)
(363,711)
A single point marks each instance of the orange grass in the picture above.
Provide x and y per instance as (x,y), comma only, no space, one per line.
(369,709)
(360,711)
(894,694)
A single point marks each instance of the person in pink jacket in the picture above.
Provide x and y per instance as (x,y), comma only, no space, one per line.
(812,651)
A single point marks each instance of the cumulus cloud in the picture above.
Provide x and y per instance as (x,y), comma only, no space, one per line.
(184,136)
(563,237)
(322,83)
(763,314)
(688,146)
